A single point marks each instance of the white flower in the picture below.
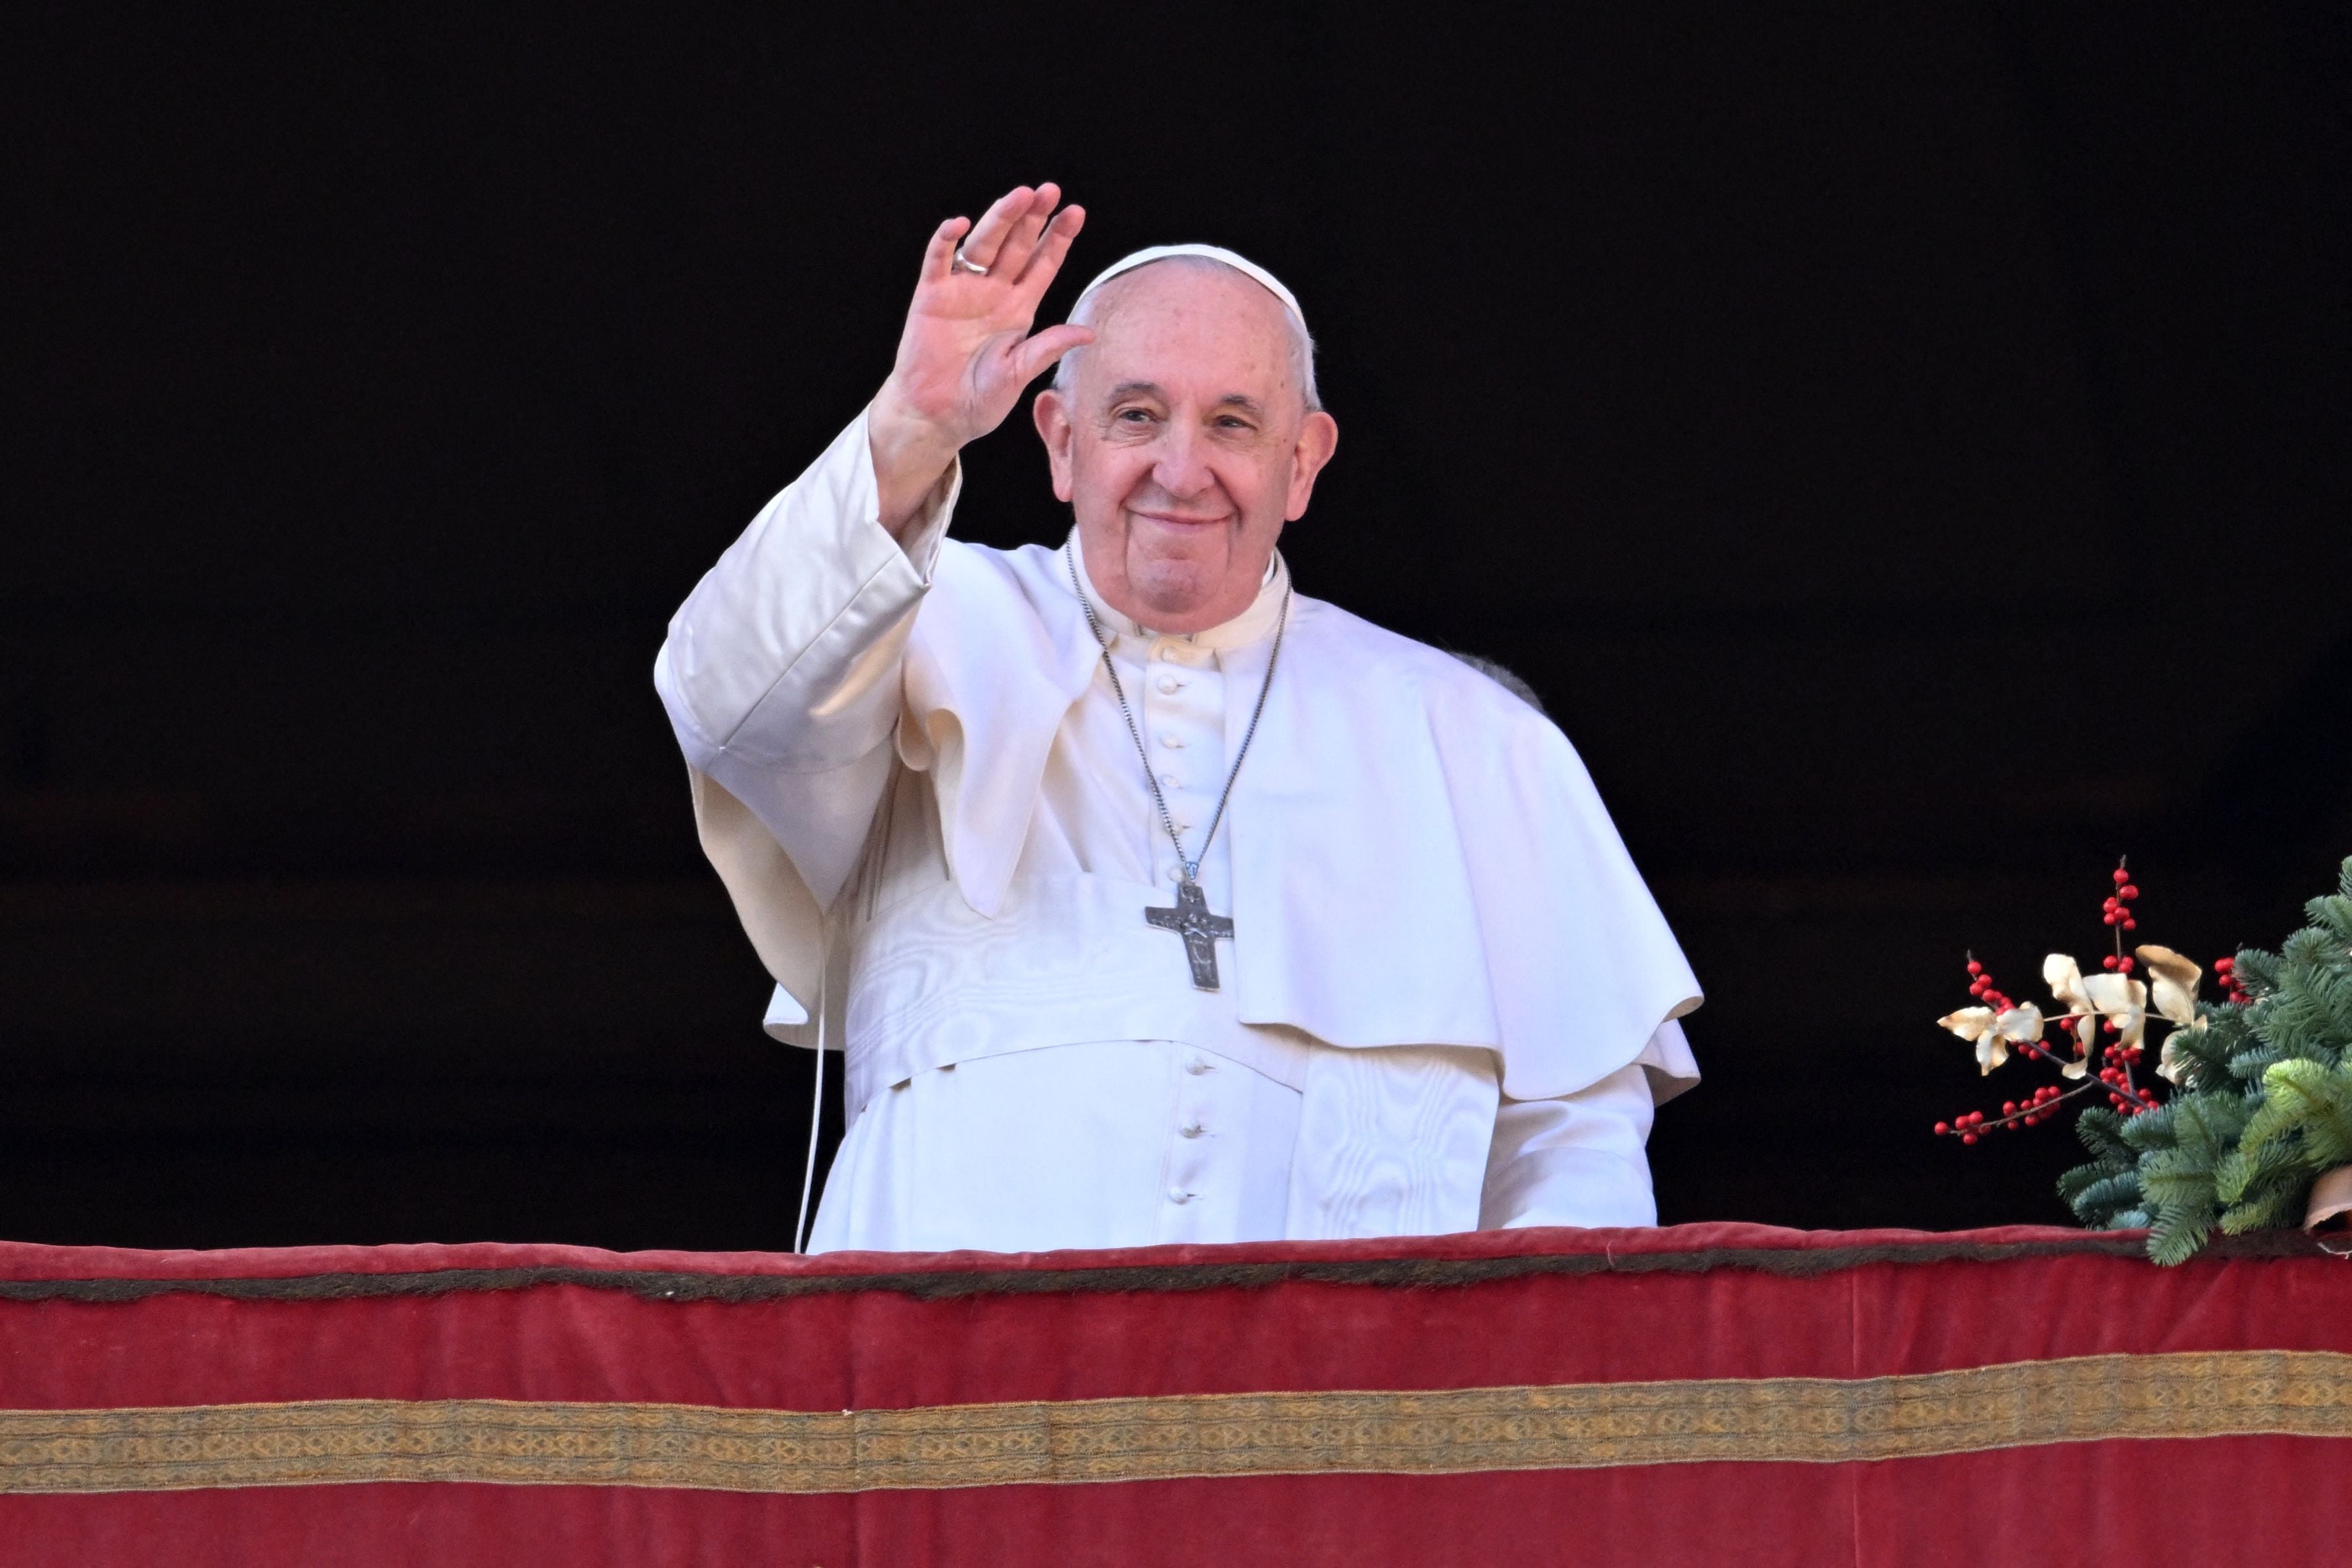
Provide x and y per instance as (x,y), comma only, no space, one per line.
(1990,1032)
(2174,982)
(2123,1001)
(2064,977)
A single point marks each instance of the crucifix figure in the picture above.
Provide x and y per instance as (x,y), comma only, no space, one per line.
(1191,919)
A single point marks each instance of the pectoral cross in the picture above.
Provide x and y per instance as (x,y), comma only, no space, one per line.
(1191,919)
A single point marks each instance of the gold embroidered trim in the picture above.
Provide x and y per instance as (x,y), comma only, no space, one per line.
(1577,1426)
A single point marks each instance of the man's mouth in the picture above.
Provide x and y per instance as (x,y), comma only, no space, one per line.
(1175,520)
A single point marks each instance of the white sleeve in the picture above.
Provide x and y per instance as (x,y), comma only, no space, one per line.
(1574,1160)
(782,672)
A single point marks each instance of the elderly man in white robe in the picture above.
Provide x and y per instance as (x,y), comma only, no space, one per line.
(1150,900)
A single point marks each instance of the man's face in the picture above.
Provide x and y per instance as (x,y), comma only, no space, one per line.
(1184,444)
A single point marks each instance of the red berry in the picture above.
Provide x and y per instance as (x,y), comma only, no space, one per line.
(2223,966)
(2130,891)
(2108,962)
(2122,876)
(1975,967)
(2131,924)
(2124,965)
(1968,1137)
(1943,1129)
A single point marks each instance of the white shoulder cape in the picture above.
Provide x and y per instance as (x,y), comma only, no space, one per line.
(1419,858)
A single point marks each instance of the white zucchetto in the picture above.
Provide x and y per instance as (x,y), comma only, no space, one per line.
(1241,263)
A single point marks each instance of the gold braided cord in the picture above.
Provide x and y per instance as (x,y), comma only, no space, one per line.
(1579,1426)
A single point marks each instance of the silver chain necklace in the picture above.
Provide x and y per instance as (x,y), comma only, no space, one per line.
(1190,918)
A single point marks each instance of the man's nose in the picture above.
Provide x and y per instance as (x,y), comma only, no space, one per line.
(1182,469)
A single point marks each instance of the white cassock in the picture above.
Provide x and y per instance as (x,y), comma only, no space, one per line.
(1449,1002)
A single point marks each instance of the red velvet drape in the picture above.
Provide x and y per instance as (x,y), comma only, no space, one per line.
(1771,1432)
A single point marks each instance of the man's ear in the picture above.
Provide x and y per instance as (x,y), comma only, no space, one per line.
(1051,412)
(1318,438)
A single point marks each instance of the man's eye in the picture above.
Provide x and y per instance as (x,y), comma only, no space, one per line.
(1133,415)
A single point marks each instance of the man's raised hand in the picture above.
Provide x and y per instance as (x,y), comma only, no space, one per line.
(967,352)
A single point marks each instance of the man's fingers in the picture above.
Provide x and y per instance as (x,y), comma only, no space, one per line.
(938,255)
(1030,360)
(1027,224)
(1046,260)
(988,235)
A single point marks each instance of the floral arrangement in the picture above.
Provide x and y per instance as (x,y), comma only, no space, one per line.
(2259,1104)
(2114,1002)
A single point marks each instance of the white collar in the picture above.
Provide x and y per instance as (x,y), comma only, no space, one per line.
(1255,622)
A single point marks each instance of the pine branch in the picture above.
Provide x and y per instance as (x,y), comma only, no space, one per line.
(2245,1174)
(2257,971)
(2269,1208)
(2103,1200)
(2180,1192)
(2310,1101)
(2101,1131)
(2204,1055)
(2249,1066)
(2332,914)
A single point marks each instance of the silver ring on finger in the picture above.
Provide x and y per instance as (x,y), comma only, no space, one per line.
(964,263)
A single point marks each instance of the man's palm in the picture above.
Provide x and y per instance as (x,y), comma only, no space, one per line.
(966,353)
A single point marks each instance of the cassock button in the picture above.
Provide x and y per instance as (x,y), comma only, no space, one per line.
(1171,739)
(1168,781)
(1177,1194)
(1170,683)
(1175,874)
(1195,1066)
(1188,1130)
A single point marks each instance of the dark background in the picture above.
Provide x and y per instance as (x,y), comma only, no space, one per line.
(1907,448)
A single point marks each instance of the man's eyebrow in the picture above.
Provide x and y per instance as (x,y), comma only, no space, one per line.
(1241,400)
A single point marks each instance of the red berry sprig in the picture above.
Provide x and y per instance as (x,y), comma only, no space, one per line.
(2118,911)
(1971,1126)
(1981,987)
(2225,972)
